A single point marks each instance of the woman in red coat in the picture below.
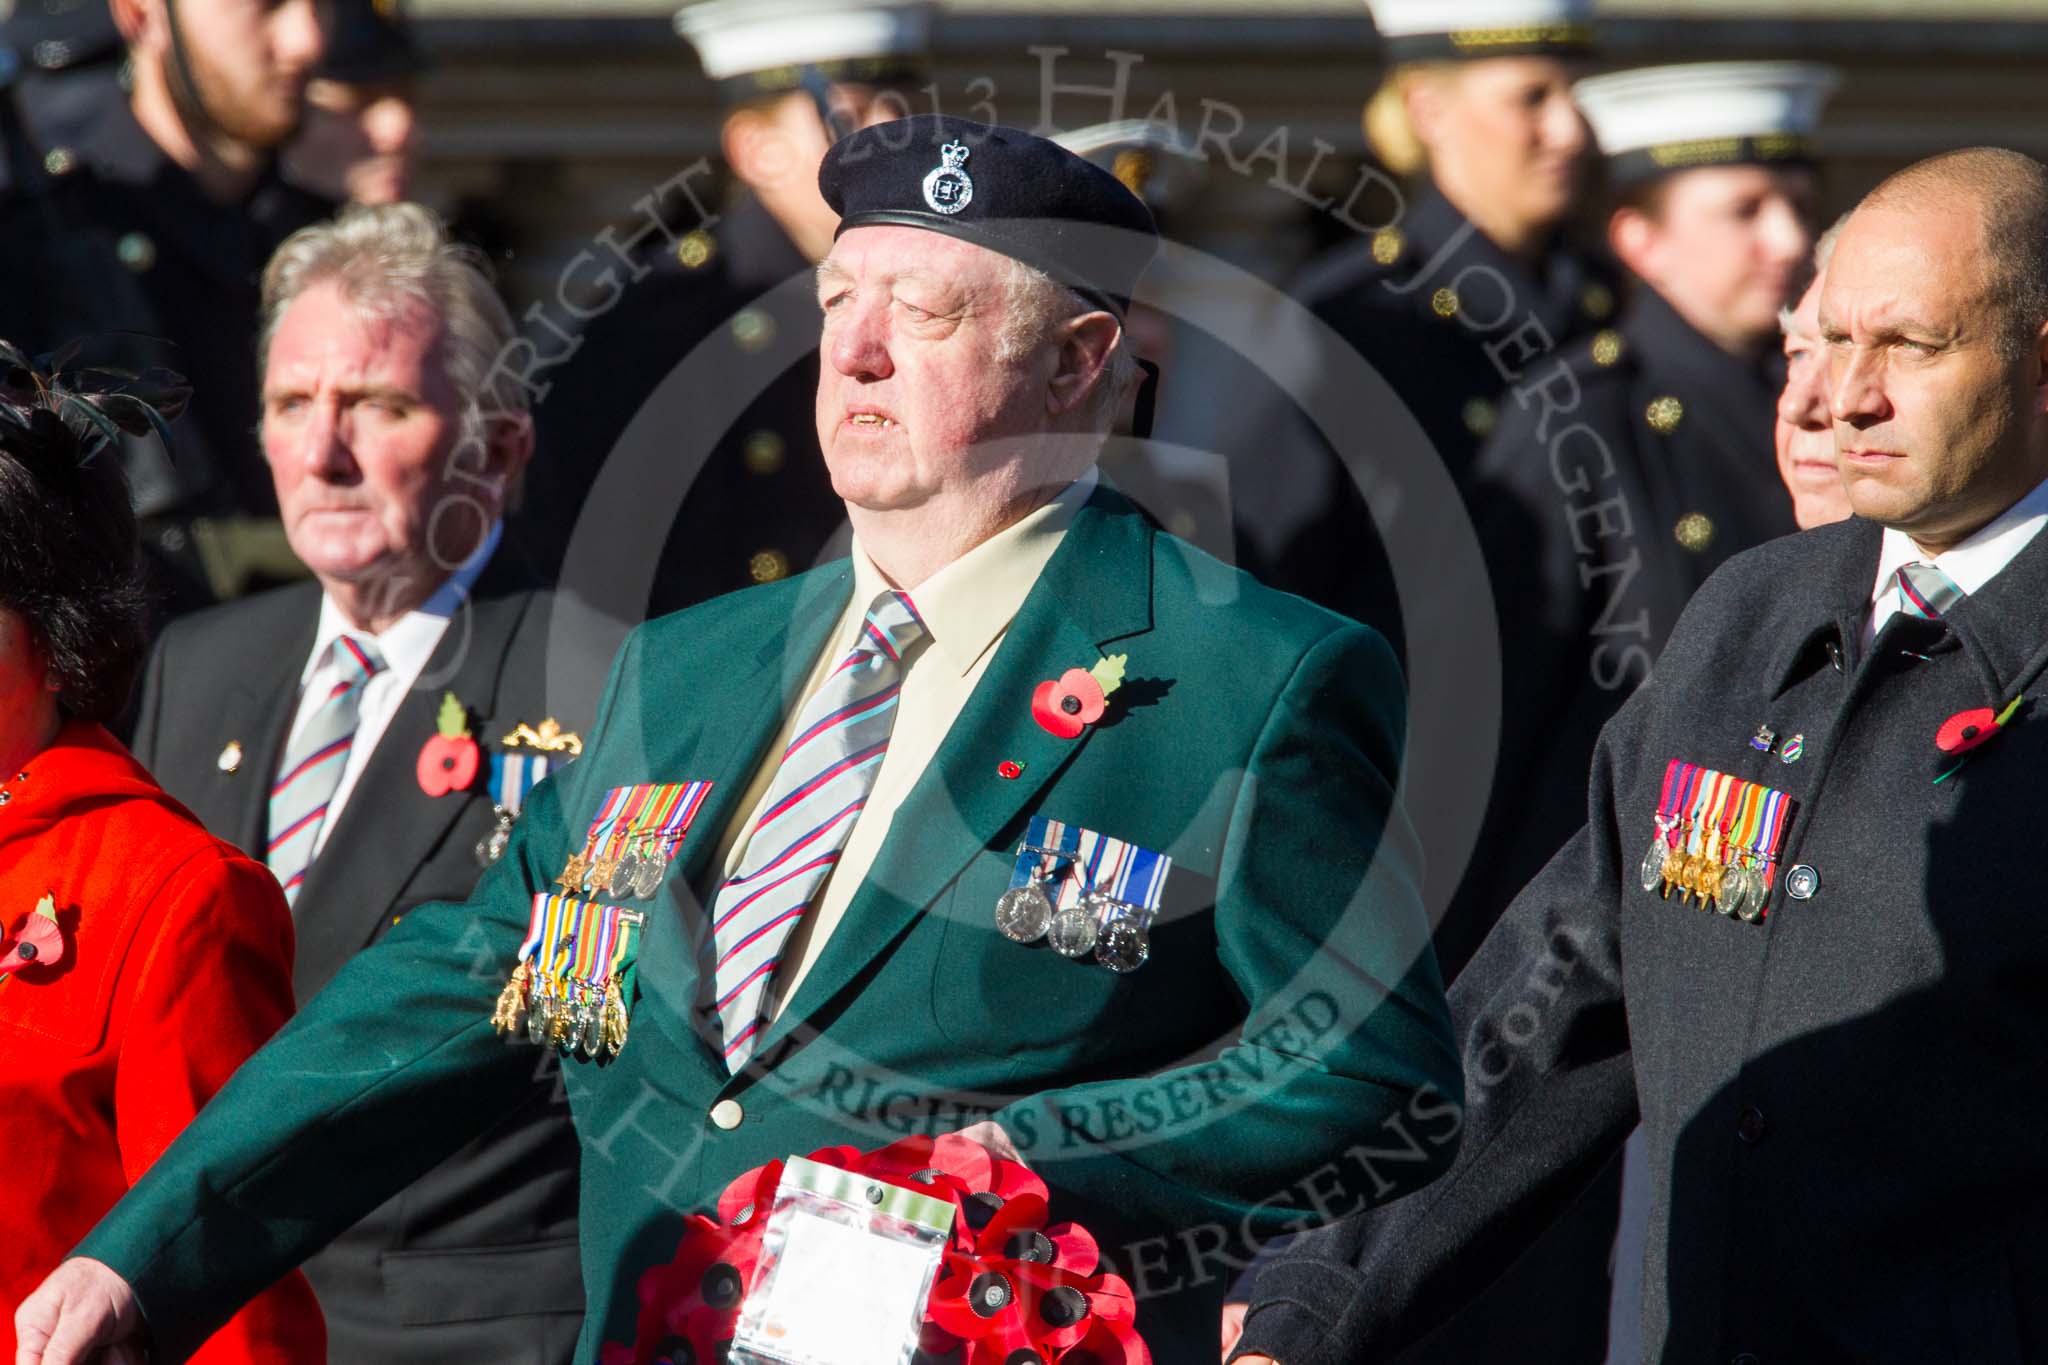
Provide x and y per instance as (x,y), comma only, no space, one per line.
(141,959)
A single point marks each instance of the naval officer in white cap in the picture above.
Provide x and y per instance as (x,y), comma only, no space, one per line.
(795,76)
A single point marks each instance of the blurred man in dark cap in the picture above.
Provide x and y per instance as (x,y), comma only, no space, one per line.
(359,141)
(154,222)
(796,75)
(832,777)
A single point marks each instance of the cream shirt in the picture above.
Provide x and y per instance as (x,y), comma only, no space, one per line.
(1971,564)
(407,644)
(967,608)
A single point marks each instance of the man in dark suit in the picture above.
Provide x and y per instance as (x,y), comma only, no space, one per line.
(789,847)
(1798,934)
(370,796)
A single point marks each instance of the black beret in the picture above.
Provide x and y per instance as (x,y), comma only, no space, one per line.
(999,188)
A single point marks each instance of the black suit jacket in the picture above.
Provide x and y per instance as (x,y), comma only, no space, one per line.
(477,1260)
(1843,1104)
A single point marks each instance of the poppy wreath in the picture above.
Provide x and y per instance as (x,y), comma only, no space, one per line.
(1011,1288)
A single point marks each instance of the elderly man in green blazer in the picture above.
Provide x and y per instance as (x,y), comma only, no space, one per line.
(1027,820)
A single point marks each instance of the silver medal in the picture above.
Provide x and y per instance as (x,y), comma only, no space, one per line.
(1073,932)
(1653,863)
(1751,907)
(647,877)
(1730,890)
(1125,946)
(624,873)
(592,1032)
(492,846)
(1023,913)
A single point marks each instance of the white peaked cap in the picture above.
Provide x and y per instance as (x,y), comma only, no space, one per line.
(1408,18)
(1669,117)
(740,37)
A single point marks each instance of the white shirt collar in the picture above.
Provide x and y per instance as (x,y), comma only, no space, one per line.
(969,603)
(408,642)
(1977,560)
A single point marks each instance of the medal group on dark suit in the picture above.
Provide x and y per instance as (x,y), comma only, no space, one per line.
(1770,977)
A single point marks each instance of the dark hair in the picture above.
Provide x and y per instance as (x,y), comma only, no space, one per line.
(70,564)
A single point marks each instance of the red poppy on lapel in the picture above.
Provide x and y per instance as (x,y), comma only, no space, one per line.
(449,759)
(1069,704)
(39,942)
(1965,730)
(1972,729)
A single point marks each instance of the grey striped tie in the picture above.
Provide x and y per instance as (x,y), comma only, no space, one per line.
(1926,591)
(312,766)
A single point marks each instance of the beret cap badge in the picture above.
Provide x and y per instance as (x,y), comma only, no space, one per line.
(949,189)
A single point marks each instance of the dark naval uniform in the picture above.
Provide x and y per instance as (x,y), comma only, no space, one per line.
(1422,301)
(1600,521)
(475,1259)
(120,239)
(1842,1102)
(760,507)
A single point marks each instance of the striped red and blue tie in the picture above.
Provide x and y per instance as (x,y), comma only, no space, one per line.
(821,784)
(312,765)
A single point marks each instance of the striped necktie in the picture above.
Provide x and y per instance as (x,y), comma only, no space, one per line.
(820,785)
(1925,591)
(313,762)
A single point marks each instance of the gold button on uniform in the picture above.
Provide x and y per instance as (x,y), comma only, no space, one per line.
(763,452)
(1607,347)
(1664,414)
(1445,303)
(1387,244)
(694,249)
(1597,301)
(769,566)
(752,329)
(1695,531)
(60,161)
(727,1114)
(136,251)
(230,757)
(1480,417)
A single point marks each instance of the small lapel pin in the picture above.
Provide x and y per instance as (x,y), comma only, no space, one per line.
(1794,747)
(1765,737)
(1009,769)
(230,757)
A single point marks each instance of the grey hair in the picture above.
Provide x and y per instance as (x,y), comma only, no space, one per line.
(1823,252)
(1037,304)
(385,257)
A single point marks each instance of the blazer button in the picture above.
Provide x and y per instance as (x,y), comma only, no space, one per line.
(1801,882)
(727,1114)
(1750,1127)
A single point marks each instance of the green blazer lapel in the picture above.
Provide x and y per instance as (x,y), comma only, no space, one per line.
(735,720)
(1096,589)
